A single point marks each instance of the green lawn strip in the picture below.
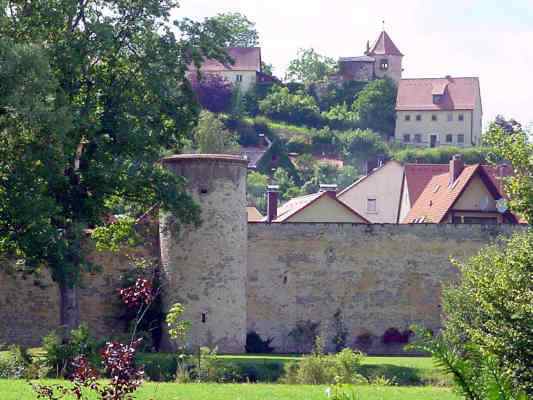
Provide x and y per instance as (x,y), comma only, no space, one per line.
(20,390)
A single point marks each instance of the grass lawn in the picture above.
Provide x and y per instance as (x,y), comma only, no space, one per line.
(20,390)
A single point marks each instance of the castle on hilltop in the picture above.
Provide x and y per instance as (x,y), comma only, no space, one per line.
(383,59)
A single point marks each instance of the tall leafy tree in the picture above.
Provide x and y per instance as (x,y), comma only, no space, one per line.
(375,107)
(241,31)
(211,136)
(309,67)
(93,93)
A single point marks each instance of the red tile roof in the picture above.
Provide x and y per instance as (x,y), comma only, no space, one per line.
(384,46)
(297,204)
(417,94)
(438,197)
(417,176)
(246,59)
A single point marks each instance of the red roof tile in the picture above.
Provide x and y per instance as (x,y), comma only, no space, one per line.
(417,94)
(384,46)
(417,176)
(246,59)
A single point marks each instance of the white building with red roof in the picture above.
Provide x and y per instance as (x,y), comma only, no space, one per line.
(432,112)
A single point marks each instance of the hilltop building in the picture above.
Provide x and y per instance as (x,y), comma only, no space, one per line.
(381,60)
(246,70)
(433,112)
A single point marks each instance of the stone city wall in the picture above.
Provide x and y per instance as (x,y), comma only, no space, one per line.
(378,276)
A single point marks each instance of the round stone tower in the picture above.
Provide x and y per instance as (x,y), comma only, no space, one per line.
(204,268)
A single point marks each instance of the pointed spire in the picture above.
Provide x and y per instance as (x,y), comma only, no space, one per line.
(384,46)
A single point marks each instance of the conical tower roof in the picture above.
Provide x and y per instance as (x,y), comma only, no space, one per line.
(384,46)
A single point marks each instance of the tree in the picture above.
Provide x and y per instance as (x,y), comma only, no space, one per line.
(93,93)
(375,107)
(287,187)
(509,126)
(296,108)
(309,66)
(360,145)
(211,136)
(256,185)
(516,148)
(213,92)
(242,31)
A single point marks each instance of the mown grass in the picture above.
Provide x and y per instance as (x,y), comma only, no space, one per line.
(20,390)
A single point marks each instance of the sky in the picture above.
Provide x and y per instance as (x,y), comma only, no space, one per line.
(491,39)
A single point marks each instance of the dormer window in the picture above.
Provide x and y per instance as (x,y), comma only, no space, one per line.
(384,64)
(437,98)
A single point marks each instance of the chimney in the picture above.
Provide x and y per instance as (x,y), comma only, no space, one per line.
(272,203)
(331,190)
(262,140)
(456,167)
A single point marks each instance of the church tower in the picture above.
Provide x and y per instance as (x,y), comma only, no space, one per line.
(388,59)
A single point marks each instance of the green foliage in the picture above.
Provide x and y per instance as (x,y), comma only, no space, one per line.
(111,237)
(375,107)
(304,335)
(15,363)
(159,367)
(255,344)
(360,145)
(477,375)
(341,331)
(93,93)
(516,147)
(333,94)
(319,369)
(442,155)
(299,144)
(298,108)
(256,185)
(491,309)
(211,137)
(241,32)
(177,327)
(309,66)
(287,187)
(58,354)
(340,116)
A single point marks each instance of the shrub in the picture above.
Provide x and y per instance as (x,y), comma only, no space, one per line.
(15,363)
(359,145)
(393,336)
(364,341)
(58,353)
(304,335)
(299,144)
(297,108)
(341,332)
(158,366)
(254,344)
(213,92)
(320,369)
(442,155)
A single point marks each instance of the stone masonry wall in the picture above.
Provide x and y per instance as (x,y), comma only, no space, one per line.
(379,276)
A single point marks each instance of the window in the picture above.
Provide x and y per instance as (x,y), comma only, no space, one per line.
(371,205)
(419,117)
(460,138)
(238,78)
(461,117)
(418,138)
(450,117)
(408,117)
(434,117)
(384,64)
(406,138)
(437,98)
(449,138)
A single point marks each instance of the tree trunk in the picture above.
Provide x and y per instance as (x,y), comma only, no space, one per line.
(69,308)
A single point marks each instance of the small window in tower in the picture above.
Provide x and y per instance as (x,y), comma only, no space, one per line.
(461,117)
(406,138)
(384,64)
(408,117)
(449,138)
(434,117)
(371,205)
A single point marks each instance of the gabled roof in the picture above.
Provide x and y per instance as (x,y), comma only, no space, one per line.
(246,59)
(361,179)
(417,176)
(457,94)
(253,214)
(438,197)
(384,46)
(296,205)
